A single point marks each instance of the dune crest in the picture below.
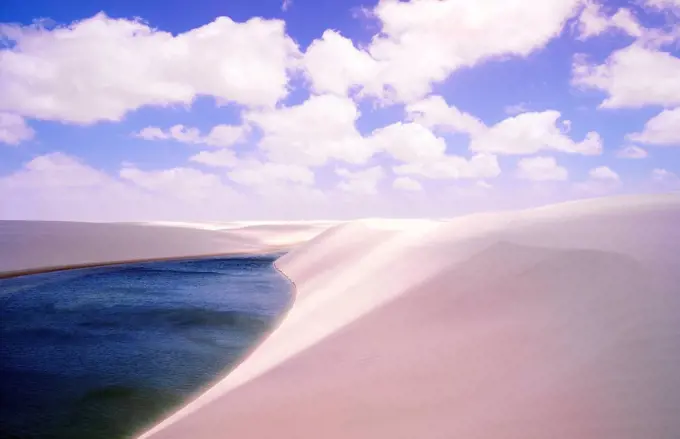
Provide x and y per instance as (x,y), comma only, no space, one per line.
(557,322)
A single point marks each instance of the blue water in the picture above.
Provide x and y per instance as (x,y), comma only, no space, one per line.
(104,352)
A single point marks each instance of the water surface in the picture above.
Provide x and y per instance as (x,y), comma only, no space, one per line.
(102,353)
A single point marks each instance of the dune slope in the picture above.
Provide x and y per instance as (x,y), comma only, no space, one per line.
(559,322)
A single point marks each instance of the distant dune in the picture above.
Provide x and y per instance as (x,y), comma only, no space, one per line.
(27,246)
(561,322)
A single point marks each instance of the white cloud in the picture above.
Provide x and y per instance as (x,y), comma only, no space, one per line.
(312,133)
(593,22)
(334,65)
(363,182)
(101,68)
(221,158)
(286,5)
(55,170)
(633,77)
(632,152)
(226,135)
(13,129)
(424,154)
(664,4)
(665,180)
(407,184)
(410,142)
(434,112)
(256,173)
(662,129)
(471,191)
(57,186)
(62,187)
(156,133)
(180,182)
(601,180)
(603,173)
(664,176)
(525,133)
(513,110)
(453,167)
(219,135)
(418,45)
(529,133)
(541,169)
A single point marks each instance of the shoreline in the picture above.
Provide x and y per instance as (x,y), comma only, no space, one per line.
(85,265)
(168,418)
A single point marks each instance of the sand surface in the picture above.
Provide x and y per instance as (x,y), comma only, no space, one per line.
(561,322)
(33,246)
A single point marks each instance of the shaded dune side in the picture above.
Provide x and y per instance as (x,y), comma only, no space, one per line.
(468,328)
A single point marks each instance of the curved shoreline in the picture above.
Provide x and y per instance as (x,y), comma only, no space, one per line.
(219,292)
(85,265)
(168,417)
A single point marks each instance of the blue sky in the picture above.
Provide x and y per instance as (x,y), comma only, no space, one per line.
(329,109)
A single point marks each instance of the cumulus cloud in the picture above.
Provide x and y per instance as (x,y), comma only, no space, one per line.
(334,65)
(221,158)
(673,5)
(593,21)
(541,169)
(418,46)
(529,133)
(633,77)
(61,187)
(453,167)
(180,182)
(663,129)
(513,110)
(323,128)
(362,182)
(56,170)
(409,142)
(100,68)
(664,179)
(14,129)
(434,112)
(632,152)
(603,173)
(256,173)
(219,135)
(425,154)
(525,133)
(407,184)
(664,175)
(318,130)
(601,180)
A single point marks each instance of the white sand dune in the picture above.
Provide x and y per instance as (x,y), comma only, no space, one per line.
(36,245)
(561,322)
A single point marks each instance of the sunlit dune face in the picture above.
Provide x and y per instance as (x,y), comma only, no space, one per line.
(467,328)
(533,352)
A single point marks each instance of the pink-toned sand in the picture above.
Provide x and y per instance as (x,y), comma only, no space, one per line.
(559,323)
(34,246)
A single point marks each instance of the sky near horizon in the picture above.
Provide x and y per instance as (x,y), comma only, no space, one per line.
(120,110)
